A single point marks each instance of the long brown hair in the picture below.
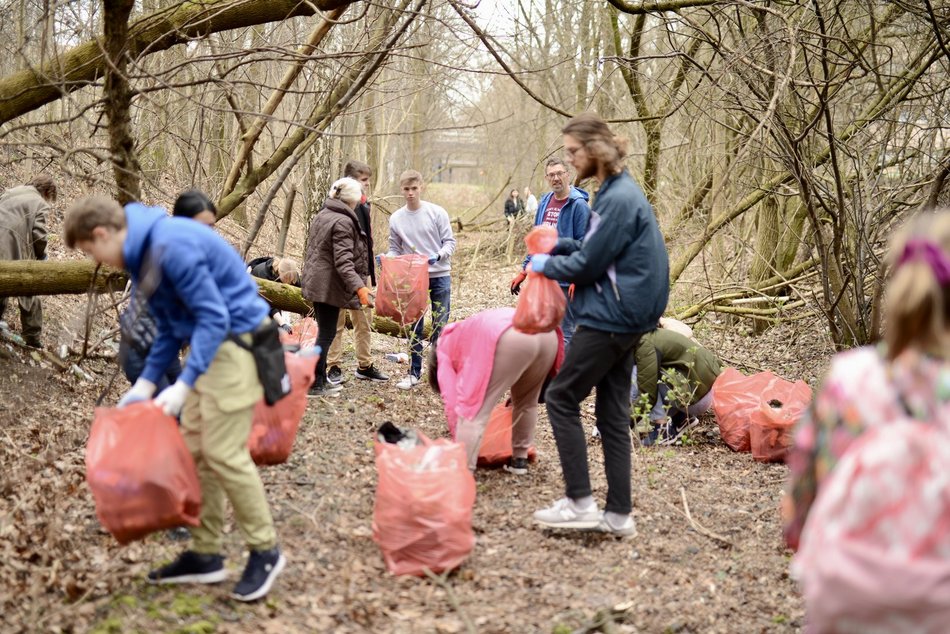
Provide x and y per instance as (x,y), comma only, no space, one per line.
(432,372)
(917,308)
(595,135)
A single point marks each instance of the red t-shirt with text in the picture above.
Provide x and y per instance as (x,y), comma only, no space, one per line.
(552,211)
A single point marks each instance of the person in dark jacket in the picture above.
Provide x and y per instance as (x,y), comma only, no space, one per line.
(274,269)
(362,318)
(136,324)
(514,206)
(199,292)
(335,268)
(673,379)
(564,208)
(23,236)
(621,276)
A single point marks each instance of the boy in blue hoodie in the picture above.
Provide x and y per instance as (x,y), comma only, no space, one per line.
(564,208)
(199,292)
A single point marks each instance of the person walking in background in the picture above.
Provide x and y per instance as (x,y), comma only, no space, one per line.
(137,326)
(424,228)
(199,292)
(621,273)
(869,492)
(362,318)
(475,362)
(514,206)
(335,269)
(530,202)
(23,236)
(564,208)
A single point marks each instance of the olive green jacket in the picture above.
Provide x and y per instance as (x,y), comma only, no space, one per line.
(663,349)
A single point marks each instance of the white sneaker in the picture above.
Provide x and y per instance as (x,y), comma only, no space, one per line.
(619,525)
(565,514)
(408,383)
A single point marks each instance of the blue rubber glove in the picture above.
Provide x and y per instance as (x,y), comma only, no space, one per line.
(538,261)
(434,258)
(379,260)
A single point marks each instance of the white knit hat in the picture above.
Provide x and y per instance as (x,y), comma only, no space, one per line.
(347,190)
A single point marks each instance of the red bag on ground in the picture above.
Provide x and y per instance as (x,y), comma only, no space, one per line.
(140,472)
(734,397)
(274,427)
(541,304)
(403,290)
(304,334)
(422,517)
(495,449)
(772,422)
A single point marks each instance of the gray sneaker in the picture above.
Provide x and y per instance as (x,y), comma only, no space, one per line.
(617,524)
(565,514)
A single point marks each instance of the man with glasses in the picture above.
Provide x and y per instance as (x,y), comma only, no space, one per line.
(564,208)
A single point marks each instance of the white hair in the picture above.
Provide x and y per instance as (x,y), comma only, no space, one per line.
(347,190)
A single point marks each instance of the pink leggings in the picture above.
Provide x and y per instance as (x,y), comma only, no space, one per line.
(522,362)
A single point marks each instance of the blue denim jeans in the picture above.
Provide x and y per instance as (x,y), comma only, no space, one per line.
(440,297)
(568,325)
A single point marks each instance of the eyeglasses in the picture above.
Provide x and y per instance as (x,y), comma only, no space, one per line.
(571,151)
(560,174)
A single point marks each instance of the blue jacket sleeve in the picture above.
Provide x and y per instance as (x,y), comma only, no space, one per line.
(589,264)
(191,277)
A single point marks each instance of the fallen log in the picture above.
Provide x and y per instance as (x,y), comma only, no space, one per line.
(75,277)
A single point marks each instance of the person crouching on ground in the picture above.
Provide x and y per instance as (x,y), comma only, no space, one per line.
(474,363)
(621,277)
(199,292)
(274,269)
(335,269)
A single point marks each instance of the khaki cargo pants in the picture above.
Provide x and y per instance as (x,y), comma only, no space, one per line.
(215,423)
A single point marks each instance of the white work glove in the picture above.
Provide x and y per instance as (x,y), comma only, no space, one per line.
(172,398)
(142,390)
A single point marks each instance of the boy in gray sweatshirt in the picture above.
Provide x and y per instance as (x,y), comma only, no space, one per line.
(424,228)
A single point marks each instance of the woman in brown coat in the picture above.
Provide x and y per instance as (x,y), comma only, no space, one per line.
(335,268)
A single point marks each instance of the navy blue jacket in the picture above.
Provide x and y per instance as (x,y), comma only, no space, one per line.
(620,270)
(197,286)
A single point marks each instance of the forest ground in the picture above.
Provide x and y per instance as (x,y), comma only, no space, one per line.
(60,572)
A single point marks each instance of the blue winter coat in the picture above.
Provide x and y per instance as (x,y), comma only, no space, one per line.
(197,287)
(573,220)
(620,270)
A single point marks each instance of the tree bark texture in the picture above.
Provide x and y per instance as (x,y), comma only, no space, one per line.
(27,90)
(29,277)
(118,101)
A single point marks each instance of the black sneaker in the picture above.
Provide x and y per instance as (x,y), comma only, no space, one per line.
(327,389)
(517,466)
(335,375)
(191,567)
(371,374)
(33,342)
(262,568)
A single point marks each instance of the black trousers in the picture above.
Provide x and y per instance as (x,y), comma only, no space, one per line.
(326,330)
(603,360)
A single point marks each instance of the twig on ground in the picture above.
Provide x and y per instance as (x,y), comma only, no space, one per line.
(696,526)
(441,581)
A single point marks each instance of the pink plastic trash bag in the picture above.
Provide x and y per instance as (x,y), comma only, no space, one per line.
(772,422)
(422,518)
(403,291)
(274,427)
(140,472)
(304,334)
(495,449)
(541,304)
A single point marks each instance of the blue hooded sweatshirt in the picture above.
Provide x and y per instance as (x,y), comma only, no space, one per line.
(620,270)
(197,287)
(573,220)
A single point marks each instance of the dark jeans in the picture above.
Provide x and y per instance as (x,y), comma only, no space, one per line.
(326,330)
(133,362)
(440,296)
(605,360)
(567,324)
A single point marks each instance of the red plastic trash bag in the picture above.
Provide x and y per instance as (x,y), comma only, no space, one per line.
(422,517)
(541,304)
(772,422)
(495,449)
(141,475)
(304,334)
(274,427)
(403,291)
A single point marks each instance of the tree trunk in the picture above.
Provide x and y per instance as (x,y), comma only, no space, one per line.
(82,65)
(118,101)
(29,277)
